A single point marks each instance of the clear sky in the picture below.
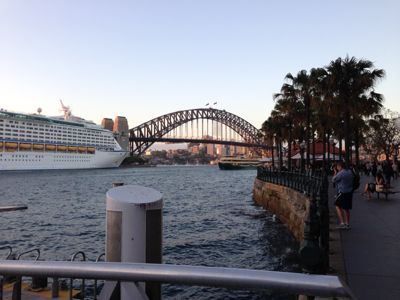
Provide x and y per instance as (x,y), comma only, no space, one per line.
(143,59)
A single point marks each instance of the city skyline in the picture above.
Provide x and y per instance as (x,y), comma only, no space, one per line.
(142,61)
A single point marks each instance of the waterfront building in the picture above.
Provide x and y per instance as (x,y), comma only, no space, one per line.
(121,131)
(107,124)
(194,148)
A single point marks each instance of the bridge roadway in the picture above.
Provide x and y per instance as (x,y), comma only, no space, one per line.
(371,249)
(199,141)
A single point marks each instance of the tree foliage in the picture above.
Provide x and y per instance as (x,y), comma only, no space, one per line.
(336,101)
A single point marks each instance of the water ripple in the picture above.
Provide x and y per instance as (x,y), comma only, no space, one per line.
(209,219)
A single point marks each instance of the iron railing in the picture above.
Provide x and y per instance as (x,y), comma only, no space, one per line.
(232,278)
(314,250)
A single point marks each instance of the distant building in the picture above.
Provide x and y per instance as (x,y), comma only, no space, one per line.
(222,150)
(210,149)
(121,125)
(108,124)
(194,148)
(120,129)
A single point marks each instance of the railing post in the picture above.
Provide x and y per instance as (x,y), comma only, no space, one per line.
(71,281)
(1,287)
(55,288)
(16,293)
(310,251)
(324,221)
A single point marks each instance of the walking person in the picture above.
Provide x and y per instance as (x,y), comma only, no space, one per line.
(387,173)
(374,169)
(343,180)
(395,170)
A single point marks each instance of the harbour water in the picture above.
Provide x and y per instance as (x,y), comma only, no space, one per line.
(209,220)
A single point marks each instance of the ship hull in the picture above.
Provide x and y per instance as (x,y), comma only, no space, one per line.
(42,160)
(231,166)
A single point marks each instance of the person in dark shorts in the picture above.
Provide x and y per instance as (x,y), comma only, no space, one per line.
(343,180)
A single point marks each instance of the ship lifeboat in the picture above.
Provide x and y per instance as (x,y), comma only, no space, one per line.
(91,150)
(72,148)
(82,149)
(38,146)
(11,147)
(61,148)
(25,146)
(50,147)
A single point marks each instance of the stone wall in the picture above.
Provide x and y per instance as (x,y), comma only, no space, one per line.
(290,206)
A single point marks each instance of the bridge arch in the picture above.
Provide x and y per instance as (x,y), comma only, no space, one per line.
(143,136)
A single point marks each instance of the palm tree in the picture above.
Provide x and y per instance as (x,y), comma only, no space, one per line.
(351,83)
(290,112)
(302,86)
(270,129)
(305,85)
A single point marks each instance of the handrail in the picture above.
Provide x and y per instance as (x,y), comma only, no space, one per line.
(71,281)
(76,254)
(29,251)
(9,249)
(12,207)
(295,283)
(95,281)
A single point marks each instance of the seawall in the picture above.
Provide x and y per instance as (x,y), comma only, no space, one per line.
(290,206)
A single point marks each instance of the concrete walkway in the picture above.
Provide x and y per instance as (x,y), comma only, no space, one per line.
(371,249)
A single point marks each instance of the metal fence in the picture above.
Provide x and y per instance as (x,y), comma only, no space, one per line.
(314,250)
(232,278)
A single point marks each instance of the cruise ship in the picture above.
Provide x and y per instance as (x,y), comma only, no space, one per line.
(38,142)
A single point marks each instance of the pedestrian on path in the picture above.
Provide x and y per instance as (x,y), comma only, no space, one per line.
(395,168)
(343,180)
(370,187)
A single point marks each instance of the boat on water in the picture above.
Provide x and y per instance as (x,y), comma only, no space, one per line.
(238,163)
(38,142)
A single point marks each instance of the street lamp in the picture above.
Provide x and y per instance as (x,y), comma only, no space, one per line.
(396,150)
(302,147)
(289,156)
(387,151)
(272,150)
(332,143)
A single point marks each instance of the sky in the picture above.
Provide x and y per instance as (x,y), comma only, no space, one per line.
(144,59)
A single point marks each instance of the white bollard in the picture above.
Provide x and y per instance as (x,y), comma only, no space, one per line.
(133,234)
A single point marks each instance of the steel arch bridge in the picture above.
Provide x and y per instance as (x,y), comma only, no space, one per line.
(144,135)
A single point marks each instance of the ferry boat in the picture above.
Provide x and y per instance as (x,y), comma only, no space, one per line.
(238,163)
(35,141)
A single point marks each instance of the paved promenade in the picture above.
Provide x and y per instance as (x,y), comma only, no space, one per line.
(371,249)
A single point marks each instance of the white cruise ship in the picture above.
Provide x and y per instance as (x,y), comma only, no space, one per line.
(37,142)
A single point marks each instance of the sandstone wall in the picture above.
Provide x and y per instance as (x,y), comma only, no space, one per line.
(290,206)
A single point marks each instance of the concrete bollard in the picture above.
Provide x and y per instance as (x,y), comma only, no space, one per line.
(133,234)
